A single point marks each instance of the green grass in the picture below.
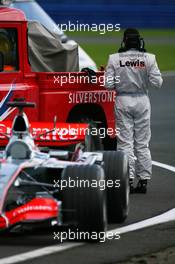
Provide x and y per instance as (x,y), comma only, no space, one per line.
(143,32)
(157,32)
(164,54)
(100,51)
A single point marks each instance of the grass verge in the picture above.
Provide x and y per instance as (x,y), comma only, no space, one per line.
(99,52)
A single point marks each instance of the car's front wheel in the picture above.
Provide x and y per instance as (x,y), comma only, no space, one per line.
(84,204)
(117,175)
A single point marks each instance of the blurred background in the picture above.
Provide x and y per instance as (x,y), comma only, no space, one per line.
(154,18)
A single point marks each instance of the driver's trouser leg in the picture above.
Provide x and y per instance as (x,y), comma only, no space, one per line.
(125,124)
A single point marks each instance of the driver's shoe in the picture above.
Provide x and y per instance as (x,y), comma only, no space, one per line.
(141,186)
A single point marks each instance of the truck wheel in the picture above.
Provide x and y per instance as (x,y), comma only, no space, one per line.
(84,206)
(117,169)
(93,142)
(110,143)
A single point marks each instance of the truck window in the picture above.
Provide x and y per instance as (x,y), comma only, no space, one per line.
(8,47)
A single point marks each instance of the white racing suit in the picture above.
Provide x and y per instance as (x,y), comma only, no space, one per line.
(137,72)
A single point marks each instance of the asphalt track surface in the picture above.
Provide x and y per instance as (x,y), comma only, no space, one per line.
(159,199)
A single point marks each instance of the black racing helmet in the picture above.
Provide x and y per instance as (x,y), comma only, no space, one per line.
(132,40)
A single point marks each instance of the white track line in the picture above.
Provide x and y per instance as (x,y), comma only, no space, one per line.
(164,166)
(160,219)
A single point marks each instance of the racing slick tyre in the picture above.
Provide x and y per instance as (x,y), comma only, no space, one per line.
(84,206)
(117,172)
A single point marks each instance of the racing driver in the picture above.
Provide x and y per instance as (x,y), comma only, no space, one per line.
(138,71)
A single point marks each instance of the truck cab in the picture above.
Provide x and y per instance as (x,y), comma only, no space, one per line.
(71,99)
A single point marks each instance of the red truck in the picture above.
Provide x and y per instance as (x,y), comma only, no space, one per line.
(70,101)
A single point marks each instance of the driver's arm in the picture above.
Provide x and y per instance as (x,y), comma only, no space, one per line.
(154,75)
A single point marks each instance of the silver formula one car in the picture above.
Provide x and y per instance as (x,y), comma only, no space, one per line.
(56,187)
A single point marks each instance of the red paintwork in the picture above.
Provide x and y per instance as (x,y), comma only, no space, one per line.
(64,135)
(51,98)
(36,210)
